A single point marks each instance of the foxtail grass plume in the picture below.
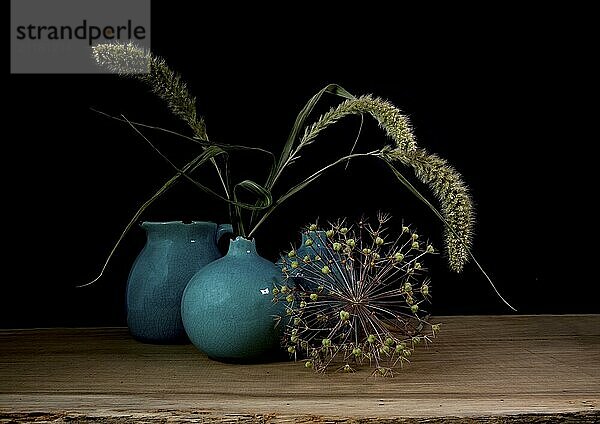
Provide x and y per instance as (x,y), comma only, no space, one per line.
(389,117)
(445,182)
(131,60)
(453,194)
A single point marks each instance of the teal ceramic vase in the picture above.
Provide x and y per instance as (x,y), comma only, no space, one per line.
(228,310)
(318,240)
(173,253)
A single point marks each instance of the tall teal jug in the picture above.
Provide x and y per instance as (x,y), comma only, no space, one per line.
(228,310)
(173,253)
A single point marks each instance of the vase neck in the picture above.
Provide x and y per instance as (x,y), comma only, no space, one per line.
(241,247)
(175,230)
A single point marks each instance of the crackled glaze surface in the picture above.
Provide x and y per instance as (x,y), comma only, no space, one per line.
(173,253)
(227,307)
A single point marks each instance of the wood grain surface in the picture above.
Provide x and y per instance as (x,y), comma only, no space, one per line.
(480,369)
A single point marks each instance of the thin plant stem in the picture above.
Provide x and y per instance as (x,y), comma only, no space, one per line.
(186,175)
(135,218)
(305,182)
(196,140)
(362,119)
(413,190)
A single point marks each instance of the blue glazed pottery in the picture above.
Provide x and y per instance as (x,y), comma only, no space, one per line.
(318,246)
(228,310)
(319,240)
(173,253)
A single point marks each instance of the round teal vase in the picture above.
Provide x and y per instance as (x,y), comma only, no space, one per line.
(173,253)
(228,310)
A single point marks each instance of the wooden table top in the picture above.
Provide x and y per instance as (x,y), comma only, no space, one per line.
(509,368)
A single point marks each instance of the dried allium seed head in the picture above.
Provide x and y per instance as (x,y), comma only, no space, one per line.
(352,308)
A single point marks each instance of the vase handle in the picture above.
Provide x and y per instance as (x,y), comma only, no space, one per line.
(223,229)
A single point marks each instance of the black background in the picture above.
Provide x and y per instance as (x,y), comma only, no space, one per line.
(504,97)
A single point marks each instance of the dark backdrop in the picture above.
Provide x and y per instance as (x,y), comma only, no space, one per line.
(501,97)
